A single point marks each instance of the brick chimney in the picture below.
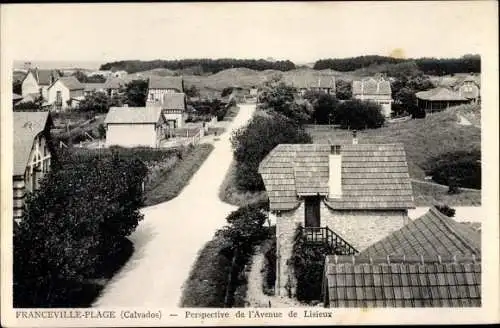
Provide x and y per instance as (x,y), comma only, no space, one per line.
(354,137)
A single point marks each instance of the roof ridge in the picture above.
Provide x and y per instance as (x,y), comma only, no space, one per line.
(401,259)
(447,223)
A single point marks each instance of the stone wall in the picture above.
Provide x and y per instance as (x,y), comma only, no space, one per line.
(362,228)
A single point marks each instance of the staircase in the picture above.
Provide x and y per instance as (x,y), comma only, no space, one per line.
(326,237)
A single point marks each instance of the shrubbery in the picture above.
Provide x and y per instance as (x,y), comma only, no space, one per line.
(446,210)
(357,114)
(74,228)
(253,142)
(462,168)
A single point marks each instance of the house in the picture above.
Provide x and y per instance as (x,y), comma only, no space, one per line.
(158,86)
(113,85)
(433,261)
(351,195)
(469,88)
(173,107)
(65,93)
(438,99)
(37,81)
(92,88)
(135,126)
(321,83)
(377,90)
(32,154)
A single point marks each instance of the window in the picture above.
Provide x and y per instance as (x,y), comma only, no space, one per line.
(151,96)
(335,149)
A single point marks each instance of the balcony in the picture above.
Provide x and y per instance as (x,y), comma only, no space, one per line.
(325,236)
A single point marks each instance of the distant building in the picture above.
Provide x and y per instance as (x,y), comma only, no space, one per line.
(158,86)
(91,88)
(113,85)
(65,93)
(135,126)
(469,88)
(346,197)
(432,261)
(377,90)
(439,98)
(321,83)
(37,82)
(174,109)
(32,154)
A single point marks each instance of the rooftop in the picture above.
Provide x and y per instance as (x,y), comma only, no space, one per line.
(71,83)
(371,86)
(174,101)
(373,176)
(439,94)
(44,76)
(27,125)
(131,115)
(432,234)
(166,82)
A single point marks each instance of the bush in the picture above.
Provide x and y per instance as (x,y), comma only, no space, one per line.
(456,169)
(359,115)
(253,142)
(73,224)
(269,250)
(446,210)
(324,107)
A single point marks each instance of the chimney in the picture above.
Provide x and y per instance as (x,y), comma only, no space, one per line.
(354,137)
(335,172)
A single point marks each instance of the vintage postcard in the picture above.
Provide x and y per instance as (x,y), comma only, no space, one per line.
(302,163)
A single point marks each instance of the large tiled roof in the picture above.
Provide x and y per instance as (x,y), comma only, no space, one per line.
(440,94)
(71,83)
(174,101)
(432,234)
(352,281)
(373,176)
(311,81)
(131,115)
(44,76)
(371,86)
(166,82)
(116,82)
(27,125)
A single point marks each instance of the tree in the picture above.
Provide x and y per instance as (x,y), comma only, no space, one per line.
(343,90)
(192,91)
(254,141)
(102,131)
(17,87)
(357,114)
(280,98)
(80,76)
(95,102)
(136,93)
(324,107)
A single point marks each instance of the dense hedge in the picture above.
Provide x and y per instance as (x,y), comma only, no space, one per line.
(74,229)
(253,142)
(357,114)
(462,168)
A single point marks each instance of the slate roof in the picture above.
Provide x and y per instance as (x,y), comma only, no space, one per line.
(131,115)
(174,101)
(93,86)
(373,176)
(166,82)
(43,76)
(371,86)
(27,125)
(440,94)
(430,235)
(71,83)
(352,281)
(308,81)
(116,82)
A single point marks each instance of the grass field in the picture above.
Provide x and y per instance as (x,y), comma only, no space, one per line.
(427,194)
(423,139)
(169,182)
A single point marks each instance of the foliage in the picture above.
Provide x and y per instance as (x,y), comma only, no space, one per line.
(102,131)
(84,78)
(136,92)
(456,169)
(431,66)
(404,89)
(208,109)
(17,87)
(205,65)
(192,91)
(253,142)
(324,107)
(308,263)
(359,115)
(446,210)
(72,224)
(96,102)
(280,98)
(269,250)
(343,90)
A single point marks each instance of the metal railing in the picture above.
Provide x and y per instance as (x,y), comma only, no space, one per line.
(325,236)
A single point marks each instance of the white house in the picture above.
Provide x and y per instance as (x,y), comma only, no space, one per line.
(346,197)
(135,126)
(374,90)
(37,82)
(158,86)
(65,93)
(174,109)
(32,154)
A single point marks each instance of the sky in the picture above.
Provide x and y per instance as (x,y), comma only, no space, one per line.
(301,32)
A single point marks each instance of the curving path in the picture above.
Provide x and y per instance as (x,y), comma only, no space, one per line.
(167,241)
